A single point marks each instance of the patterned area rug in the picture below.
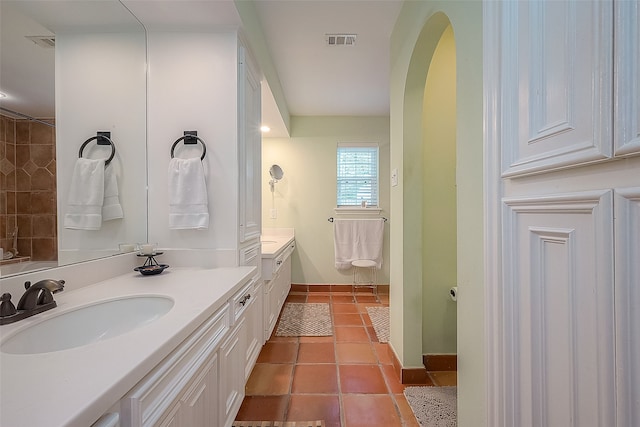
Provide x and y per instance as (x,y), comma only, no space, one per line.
(433,406)
(278,424)
(299,319)
(380,319)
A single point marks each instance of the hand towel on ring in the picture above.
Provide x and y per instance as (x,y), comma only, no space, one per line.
(188,204)
(86,195)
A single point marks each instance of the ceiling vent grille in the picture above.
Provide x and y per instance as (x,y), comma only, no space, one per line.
(43,41)
(340,39)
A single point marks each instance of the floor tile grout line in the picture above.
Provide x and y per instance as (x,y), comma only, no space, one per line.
(339,382)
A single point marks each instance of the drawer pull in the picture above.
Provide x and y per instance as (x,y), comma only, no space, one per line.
(279,262)
(244,299)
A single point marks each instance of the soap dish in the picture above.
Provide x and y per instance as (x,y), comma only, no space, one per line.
(151,266)
(148,270)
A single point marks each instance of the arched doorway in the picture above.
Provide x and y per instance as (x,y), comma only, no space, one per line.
(416,36)
(439,220)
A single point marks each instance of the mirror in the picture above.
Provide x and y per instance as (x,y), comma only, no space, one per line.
(77,68)
(276,173)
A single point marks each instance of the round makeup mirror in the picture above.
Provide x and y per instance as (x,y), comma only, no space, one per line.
(276,173)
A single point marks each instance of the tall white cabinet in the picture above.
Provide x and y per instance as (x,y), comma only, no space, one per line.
(209,82)
(562,103)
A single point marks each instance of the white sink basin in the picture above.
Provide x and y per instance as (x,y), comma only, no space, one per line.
(87,324)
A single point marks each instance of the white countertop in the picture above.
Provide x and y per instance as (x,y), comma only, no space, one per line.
(75,387)
(275,240)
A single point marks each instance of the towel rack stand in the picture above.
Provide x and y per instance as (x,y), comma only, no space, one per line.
(331,219)
(190,137)
(102,138)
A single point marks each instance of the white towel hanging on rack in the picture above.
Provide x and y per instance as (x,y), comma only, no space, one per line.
(188,204)
(86,195)
(358,239)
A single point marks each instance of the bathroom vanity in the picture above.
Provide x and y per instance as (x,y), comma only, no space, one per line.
(184,366)
(277,247)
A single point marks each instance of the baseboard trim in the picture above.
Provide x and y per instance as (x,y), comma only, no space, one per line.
(417,376)
(322,287)
(440,362)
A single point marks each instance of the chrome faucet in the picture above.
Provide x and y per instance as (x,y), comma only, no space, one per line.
(36,299)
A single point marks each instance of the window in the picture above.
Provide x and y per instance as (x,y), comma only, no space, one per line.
(357,175)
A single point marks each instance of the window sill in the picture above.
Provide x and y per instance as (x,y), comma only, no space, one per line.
(357,210)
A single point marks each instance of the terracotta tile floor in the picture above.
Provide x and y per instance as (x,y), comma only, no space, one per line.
(346,379)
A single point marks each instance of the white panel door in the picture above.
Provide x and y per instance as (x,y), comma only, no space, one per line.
(557,79)
(558,298)
(250,147)
(627,226)
(627,81)
(562,242)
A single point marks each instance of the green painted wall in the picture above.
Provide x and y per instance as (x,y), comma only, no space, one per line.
(439,200)
(413,42)
(306,197)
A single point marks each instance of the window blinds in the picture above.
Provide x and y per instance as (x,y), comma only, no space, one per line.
(357,175)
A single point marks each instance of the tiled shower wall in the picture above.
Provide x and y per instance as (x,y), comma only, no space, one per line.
(28,188)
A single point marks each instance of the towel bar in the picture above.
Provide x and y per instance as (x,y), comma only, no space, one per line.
(186,138)
(331,219)
(103,135)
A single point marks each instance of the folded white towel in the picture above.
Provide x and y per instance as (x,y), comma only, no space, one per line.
(111,208)
(358,239)
(86,195)
(188,205)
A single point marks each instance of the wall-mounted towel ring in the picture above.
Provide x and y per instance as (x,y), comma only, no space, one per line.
(105,141)
(187,138)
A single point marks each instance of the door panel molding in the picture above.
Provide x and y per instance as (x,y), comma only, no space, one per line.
(558,303)
(556,85)
(627,268)
(627,78)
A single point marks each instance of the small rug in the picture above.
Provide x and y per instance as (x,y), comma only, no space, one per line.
(380,320)
(433,406)
(278,424)
(302,319)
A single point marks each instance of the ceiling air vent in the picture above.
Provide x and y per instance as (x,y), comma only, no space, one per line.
(340,39)
(43,41)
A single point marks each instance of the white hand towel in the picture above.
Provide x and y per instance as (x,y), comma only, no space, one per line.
(111,208)
(188,205)
(86,195)
(358,239)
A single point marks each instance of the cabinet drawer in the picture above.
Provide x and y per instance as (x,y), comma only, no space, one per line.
(150,399)
(241,301)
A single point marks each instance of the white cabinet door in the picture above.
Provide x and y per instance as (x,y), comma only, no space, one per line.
(271,304)
(199,403)
(255,326)
(562,270)
(250,147)
(232,355)
(627,237)
(559,301)
(557,75)
(627,78)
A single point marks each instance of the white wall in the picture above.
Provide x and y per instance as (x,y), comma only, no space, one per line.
(193,86)
(100,86)
(306,197)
